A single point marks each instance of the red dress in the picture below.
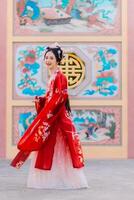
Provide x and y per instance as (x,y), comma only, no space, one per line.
(52,124)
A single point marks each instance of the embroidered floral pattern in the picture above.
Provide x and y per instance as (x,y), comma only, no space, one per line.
(78,146)
(56,102)
(44,136)
(49,96)
(49,115)
(19,164)
(36,137)
(42,132)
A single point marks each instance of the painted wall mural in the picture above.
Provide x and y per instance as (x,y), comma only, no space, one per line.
(22,118)
(28,80)
(93,70)
(95,125)
(67,17)
(98,125)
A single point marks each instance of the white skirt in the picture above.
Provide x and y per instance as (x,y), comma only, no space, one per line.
(62,174)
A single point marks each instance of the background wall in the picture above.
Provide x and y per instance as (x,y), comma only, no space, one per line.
(3,12)
(131,78)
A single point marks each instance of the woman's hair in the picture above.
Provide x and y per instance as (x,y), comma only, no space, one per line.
(67,105)
(57,51)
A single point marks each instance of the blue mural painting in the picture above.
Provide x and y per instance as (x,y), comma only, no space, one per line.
(25,119)
(96,67)
(89,16)
(93,125)
(28,70)
(105,82)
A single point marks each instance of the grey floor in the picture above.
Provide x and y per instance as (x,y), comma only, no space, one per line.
(108,180)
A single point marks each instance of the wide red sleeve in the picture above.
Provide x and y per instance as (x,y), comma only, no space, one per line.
(38,131)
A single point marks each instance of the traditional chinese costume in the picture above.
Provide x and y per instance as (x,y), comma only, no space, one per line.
(57,158)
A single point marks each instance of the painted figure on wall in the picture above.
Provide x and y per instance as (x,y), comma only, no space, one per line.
(98,125)
(72,16)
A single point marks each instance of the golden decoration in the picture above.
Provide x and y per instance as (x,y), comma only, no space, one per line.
(74,69)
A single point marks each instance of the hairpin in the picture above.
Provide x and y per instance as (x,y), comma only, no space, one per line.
(59,51)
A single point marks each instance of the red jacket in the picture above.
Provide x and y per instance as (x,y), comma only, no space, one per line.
(41,134)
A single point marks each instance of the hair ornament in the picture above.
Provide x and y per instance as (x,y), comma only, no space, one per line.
(54,45)
(59,53)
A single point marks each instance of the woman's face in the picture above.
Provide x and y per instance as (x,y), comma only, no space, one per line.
(50,60)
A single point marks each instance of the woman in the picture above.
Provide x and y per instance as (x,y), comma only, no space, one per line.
(57,158)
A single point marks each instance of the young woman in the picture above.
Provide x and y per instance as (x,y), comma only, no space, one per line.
(57,158)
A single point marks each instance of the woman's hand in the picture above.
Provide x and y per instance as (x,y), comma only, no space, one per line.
(36,99)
